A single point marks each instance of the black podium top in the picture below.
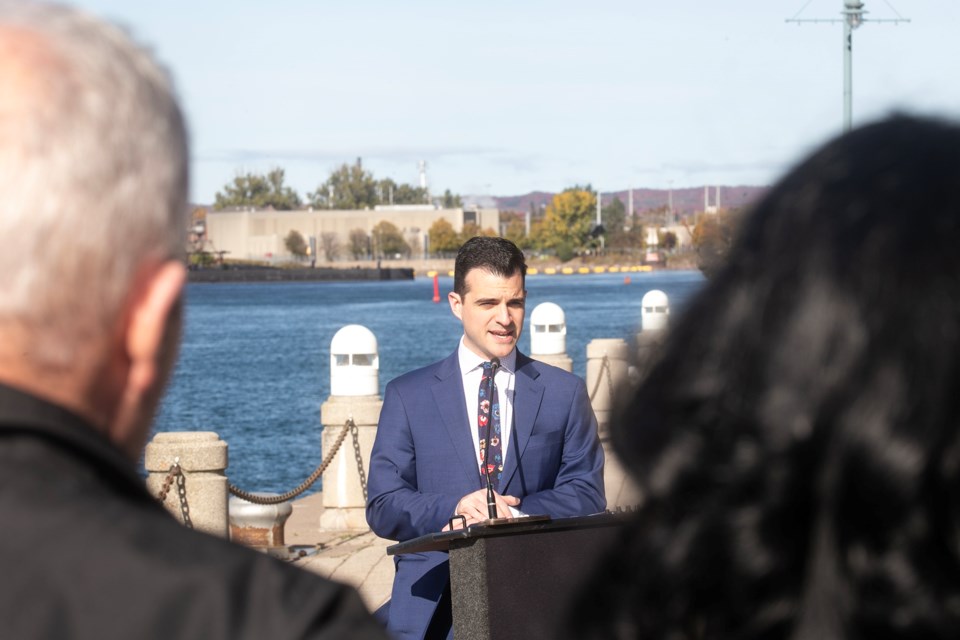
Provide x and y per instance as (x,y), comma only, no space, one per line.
(512,526)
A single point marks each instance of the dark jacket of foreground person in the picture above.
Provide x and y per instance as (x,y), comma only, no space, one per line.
(86,552)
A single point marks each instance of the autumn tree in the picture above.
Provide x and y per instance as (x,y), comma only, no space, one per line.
(258,191)
(712,237)
(388,241)
(359,243)
(295,243)
(569,218)
(516,232)
(443,239)
(472,230)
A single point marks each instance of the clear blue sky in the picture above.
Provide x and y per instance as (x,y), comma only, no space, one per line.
(504,97)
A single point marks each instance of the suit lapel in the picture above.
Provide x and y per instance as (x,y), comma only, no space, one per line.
(528,394)
(448,395)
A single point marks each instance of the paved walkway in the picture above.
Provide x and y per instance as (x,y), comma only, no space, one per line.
(358,558)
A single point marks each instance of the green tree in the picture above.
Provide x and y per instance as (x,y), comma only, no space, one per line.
(295,243)
(409,194)
(451,201)
(569,218)
(614,217)
(359,243)
(388,241)
(389,192)
(259,191)
(443,239)
(348,187)
(668,240)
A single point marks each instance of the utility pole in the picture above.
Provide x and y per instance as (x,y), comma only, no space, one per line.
(853,16)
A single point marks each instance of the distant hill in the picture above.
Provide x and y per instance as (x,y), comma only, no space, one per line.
(685,201)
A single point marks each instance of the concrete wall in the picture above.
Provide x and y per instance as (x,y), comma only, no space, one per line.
(259,235)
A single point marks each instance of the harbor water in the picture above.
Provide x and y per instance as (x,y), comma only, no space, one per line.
(255,360)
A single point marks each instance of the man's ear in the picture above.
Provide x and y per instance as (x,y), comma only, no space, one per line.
(148,347)
(150,319)
(456,304)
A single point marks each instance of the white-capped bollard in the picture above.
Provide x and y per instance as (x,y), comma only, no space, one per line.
(654,311)
(548,336)
(202,459)
(354,362)
(354,397)
(607,366)
(654,318)
(258,525)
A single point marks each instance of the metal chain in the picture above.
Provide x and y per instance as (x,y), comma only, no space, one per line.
(177,473)
(289,495)
(184,509)
(174,471)
(355,433)
(604,366)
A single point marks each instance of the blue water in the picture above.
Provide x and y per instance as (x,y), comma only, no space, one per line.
(255,361)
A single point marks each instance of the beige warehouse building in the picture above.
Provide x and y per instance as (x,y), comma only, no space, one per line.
(259,234)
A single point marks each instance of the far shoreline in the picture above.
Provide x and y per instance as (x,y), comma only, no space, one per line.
(409,269)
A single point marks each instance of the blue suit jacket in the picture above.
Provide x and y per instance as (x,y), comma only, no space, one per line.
(424,461)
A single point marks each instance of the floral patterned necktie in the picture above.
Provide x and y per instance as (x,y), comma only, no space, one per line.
(488,423)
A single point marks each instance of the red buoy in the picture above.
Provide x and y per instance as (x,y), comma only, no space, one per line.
(436,288)
(626,280)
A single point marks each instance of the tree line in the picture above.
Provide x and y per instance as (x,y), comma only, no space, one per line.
(566,227)
(348,186)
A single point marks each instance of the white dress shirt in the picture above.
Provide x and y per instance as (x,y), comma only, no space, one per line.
(471,369)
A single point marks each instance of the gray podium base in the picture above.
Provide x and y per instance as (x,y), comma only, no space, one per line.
(522,585)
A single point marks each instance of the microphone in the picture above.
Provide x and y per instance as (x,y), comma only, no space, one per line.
(491,500)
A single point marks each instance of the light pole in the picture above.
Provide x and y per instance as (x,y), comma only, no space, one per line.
(853,17)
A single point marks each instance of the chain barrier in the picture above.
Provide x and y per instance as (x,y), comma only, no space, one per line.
(355,433)
(604,366)
(348,427)
(176,474)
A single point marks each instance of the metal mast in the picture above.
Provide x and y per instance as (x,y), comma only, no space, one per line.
(853,17)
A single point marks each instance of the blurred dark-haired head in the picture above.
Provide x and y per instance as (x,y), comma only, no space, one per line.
(797,442)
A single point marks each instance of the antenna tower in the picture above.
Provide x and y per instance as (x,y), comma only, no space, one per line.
(853,16)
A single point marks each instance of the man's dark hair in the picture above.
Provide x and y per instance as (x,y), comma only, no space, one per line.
(798,442)
(496,255)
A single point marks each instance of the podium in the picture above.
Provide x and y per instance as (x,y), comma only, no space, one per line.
(517,579)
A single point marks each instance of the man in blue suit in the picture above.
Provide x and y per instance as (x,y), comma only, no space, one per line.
(434,432)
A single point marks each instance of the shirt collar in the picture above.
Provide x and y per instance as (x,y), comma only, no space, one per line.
(470,361)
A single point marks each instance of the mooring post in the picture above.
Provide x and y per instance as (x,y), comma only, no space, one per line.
(195,461)
(354,403)
(548,336)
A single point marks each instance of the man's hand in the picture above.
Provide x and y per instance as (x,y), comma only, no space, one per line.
(473,507)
